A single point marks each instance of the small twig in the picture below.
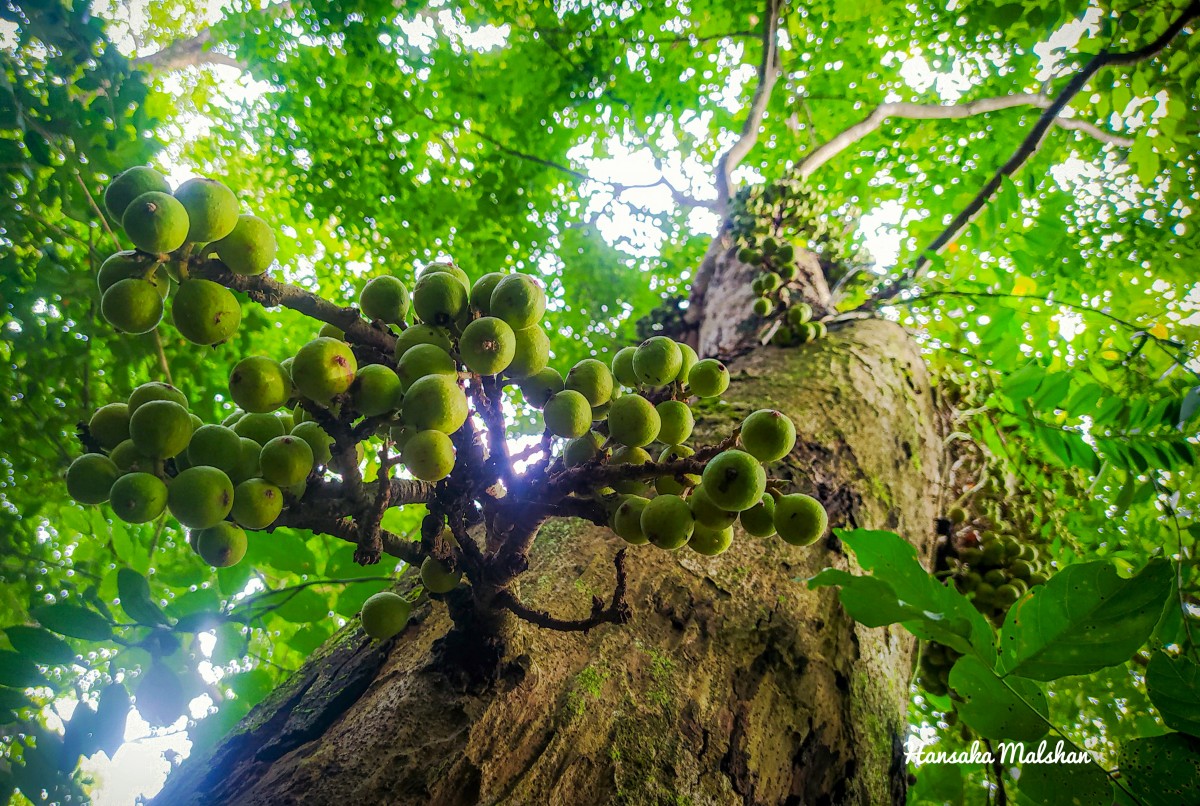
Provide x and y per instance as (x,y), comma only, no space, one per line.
(96,209)
(616,612)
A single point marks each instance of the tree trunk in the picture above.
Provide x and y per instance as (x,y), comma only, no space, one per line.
(733,683)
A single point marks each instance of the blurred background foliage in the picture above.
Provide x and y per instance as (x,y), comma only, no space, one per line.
(577,140)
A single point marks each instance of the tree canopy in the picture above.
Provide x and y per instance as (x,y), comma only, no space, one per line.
(1034,164)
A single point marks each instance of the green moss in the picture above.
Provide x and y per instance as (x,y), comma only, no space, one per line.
(588,685)
(661,670)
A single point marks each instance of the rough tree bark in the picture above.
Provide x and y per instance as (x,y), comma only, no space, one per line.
(732,684)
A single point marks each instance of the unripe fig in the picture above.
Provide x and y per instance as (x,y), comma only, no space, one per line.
(519,300)
(401,434)
(771,282)
(532,352)
(329,331)
(633,421)
(799,313)
(710,542)
(568,414)
(421,360)
(657,360)
(626,519)
(160,429)
(90,478)
(204,312)
(481,292)
(787,272)
(131,265)
(256,503)
(385,615)
(593,380)
(200,497)
(324,368)
(138,497)
(109,425)
(627,455)
(262,428)
(763,306)
(437,578)
(439,298)
(768,435)
(156,222)
(215,446)
(734,480)
(688,360)
(250,249)
(132,306)
(385,298)
(248,466)
(800,519)
(759,520)
(667,522)
(671,484)
(622,368)
(708,378)
(541,386)
(212,209)
(221,545)
(677,422)
(128,458)
(375,391)
(583,449)
(436,403)
(318,440)
(286,460)
(259,384)
(707,512)
(155,390)
(487,345)
(445,267)
(130,184)
(422,334)
(429,455)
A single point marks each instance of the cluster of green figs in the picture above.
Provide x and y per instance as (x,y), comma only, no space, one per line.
(164,225)
(993,570)
(452,336)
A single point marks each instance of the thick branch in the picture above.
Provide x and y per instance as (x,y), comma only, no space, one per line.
(616,612)
(768,74)
(1029,147)
(913,111)
(192,52)
(271,293)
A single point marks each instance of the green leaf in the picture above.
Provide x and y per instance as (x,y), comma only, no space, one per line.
(1063,785)
(902,591)
(136,599)
(73,621)
(251,686)
(40,645)
(1084,618)
(160,696)
(111,714)
(18,671)
(1174,687)
(1015,711)
(1162,770)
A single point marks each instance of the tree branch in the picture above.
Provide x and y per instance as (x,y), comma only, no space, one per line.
(768,74)
(271,293)
(1029,146)
(617,611)
(914,111)
(194,51)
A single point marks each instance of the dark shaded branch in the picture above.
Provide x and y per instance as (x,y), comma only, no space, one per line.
(1029,146)
(768,74)
(616,612)
(272,293)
